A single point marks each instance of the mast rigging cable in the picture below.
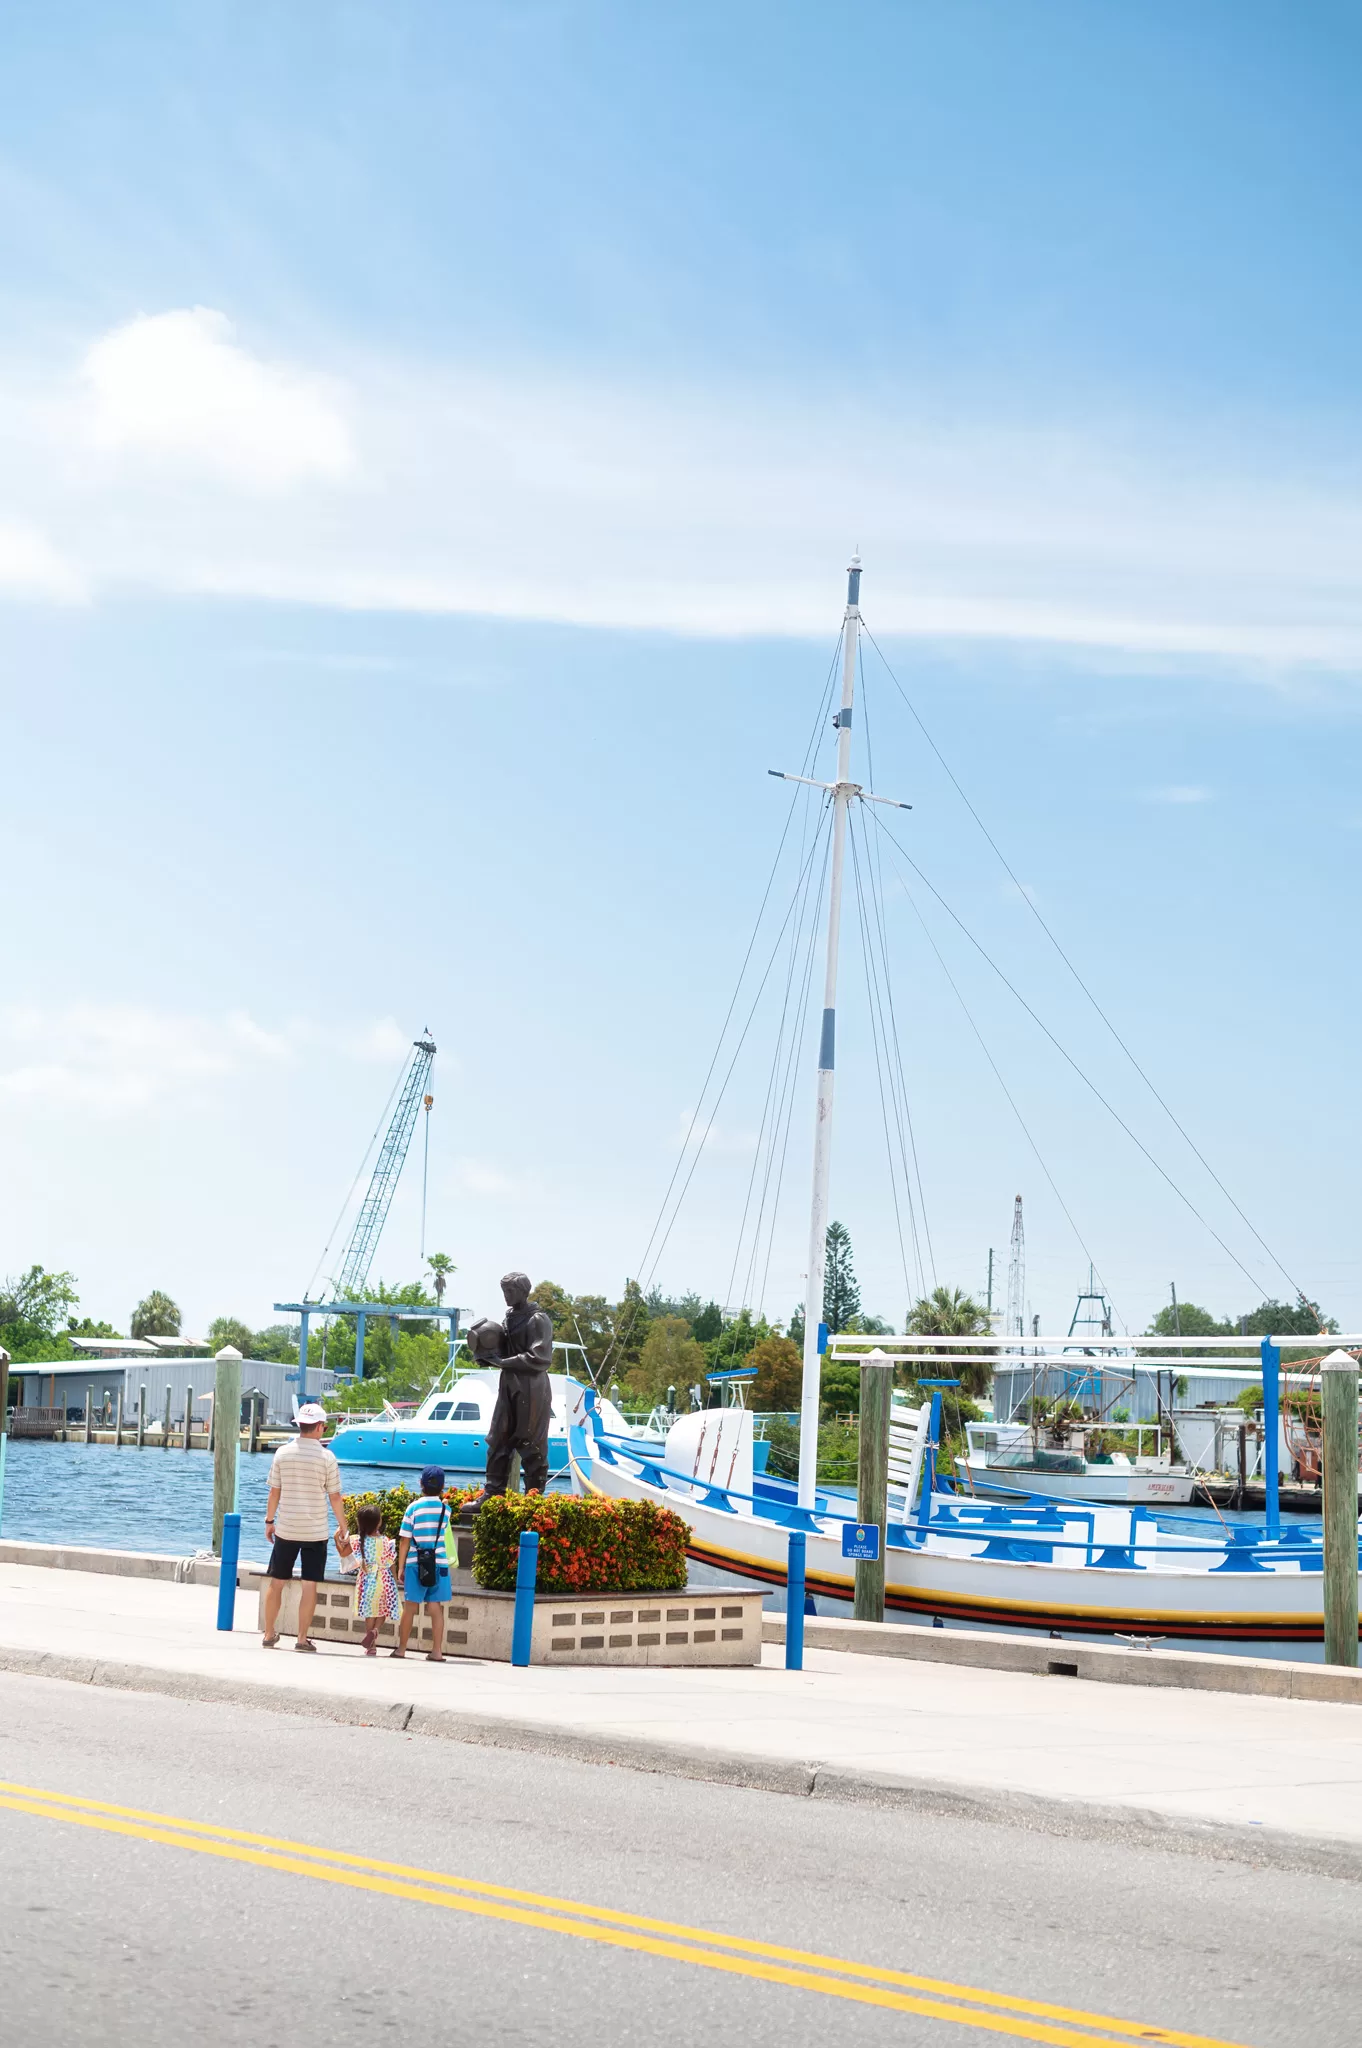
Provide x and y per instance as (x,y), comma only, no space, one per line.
(1163,1105)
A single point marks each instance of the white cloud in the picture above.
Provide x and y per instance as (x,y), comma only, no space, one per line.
(1179,793)
(381,1043)
(116,1058)
(513,494)
(31,567)
(179,388)
(719,1140)
(477,1177)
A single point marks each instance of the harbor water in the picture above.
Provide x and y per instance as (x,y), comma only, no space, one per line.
(162,1501)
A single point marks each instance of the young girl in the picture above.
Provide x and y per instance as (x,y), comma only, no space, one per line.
(376,1595)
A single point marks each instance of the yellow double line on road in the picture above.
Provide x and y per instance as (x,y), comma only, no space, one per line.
(832,1976)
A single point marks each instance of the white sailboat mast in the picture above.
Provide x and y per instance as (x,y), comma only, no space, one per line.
(842,791)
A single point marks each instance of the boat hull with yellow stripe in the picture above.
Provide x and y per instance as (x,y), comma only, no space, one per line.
(1072,1578)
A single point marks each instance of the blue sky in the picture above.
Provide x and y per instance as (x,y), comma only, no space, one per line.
(431,440)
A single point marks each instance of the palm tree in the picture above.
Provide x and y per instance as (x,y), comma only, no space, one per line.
(441,1265)
(157,1316)
(946,1312)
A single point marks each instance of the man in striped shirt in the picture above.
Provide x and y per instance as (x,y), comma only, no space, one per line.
(303,1478)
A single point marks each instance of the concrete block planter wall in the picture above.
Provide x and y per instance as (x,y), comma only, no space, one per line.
(703,1625)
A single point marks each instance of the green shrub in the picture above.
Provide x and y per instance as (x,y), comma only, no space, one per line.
(585,1546)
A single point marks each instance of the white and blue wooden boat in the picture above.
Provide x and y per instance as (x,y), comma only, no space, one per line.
(1062,1565)
(1071,1567)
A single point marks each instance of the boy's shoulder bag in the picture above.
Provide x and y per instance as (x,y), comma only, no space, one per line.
(427,1563)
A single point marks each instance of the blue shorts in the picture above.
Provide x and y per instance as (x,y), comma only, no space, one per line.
(426,1596)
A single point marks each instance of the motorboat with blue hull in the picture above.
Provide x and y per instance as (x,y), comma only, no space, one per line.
(450,1427)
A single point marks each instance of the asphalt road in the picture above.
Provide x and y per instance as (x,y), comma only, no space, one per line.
(130,1928)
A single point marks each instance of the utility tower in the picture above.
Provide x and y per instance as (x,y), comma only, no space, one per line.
(373,1210)
(1016,1276)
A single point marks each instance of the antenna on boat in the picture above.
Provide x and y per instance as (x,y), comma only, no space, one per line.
(841,791)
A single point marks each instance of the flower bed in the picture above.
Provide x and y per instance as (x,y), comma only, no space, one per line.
(585,1546)
(394,1501)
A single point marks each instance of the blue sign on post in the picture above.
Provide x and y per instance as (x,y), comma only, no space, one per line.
(861,1540)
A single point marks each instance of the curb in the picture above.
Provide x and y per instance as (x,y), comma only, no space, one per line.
(122,1564)
(1108,1663)
(1071,1819)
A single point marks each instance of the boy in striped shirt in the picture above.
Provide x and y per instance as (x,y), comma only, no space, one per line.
(423,1528)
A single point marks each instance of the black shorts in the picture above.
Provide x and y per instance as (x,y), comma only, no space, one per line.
(287,1548)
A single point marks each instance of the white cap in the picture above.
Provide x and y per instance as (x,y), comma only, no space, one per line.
(311,1412)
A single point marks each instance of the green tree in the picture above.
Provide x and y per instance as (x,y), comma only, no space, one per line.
(275,1342)
(796,1331)
(735,1342)
(841,1388)
(1188,1320)
(780,1369)
(841,1294)
(707,1323)
(156,1316)
(557,1305)
(631,1329)
(1275,1318)
(32,1307)
(591,1323)
(225,1330)
(690,1305)
(670,1358)
(441,1265)
(946,1312)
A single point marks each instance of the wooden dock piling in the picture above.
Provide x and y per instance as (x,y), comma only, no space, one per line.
(89,1414)
(141,1417)
(118,1421)
(1338,1402)
(4,1425)
(226,1436)
(188,1415)
(872,1479)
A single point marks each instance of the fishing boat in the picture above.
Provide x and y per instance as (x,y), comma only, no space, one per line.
(1004,1459)
(1033,1561)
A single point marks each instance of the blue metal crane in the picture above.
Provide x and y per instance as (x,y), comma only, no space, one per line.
(373,1210)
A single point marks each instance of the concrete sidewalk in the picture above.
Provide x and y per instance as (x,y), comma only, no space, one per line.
(1276,1780)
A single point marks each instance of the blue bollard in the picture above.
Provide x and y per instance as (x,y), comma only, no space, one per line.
(231,1550)
(526,1572)
(794,1601)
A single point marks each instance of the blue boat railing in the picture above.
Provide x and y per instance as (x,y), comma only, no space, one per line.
(1008,1542)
